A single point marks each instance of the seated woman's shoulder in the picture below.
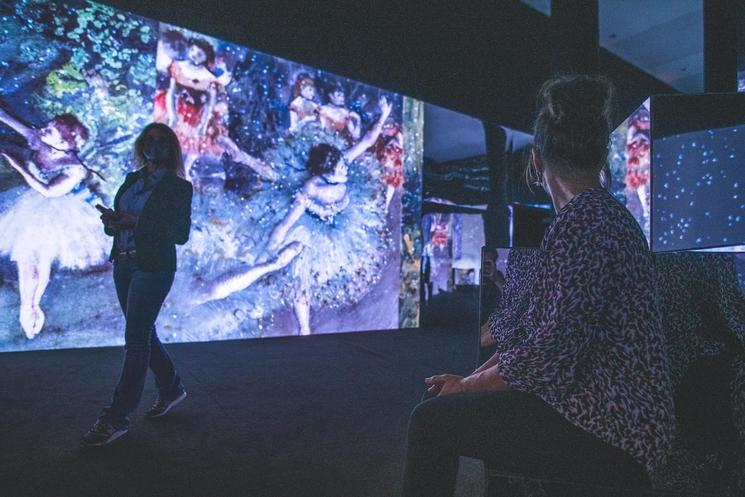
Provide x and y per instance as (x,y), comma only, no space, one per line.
(608,230)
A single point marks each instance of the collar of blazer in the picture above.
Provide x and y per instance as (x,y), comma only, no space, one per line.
(132,177)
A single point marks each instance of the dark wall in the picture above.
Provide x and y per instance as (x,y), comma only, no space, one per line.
(632,84)
(483,58)
(740,13)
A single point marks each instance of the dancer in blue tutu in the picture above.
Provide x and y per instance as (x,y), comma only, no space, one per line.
(325,222)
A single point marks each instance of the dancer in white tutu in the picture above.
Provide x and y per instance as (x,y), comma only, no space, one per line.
(53,219)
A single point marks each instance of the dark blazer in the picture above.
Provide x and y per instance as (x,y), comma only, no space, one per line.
(165,221)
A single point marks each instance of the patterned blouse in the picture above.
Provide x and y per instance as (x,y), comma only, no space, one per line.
(589,340)
(704,319)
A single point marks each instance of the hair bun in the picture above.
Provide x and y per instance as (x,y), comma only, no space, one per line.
(573,123)
(578,101)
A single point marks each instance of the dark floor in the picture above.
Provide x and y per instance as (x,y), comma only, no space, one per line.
(303,416)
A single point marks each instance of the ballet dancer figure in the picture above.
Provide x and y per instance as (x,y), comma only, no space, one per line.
(52,220)
(313,233)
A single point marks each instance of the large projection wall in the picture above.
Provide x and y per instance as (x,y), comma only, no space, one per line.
(79,80)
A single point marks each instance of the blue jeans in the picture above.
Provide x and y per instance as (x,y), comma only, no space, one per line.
(141,295)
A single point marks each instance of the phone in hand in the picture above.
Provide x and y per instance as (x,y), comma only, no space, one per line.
(103,210)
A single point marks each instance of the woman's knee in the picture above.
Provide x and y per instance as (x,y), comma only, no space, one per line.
(137,338)
(427,416)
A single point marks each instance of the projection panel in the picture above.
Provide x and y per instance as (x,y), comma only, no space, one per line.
(79,80)
(677,164)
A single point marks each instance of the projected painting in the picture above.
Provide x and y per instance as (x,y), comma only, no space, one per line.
(79,80)
(630,161)
(740,43)
(694,173)
(676,163)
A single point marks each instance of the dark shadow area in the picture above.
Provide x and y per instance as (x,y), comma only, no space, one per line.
(321,415)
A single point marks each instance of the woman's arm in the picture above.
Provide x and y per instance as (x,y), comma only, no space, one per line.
(489,379)
(293,115)
(171,101)
(485,379)
(56,187)
(568,303)
(179,224)
(296,121)
(353,125)
(243,157)
(487,339)
(372,134)
(293,120)
(170,219)
(27,132)
(308,119)
(297,209)
(108,226)
(259,166)
(492,361)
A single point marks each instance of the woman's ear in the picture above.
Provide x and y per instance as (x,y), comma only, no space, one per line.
(535,171)
(537,163)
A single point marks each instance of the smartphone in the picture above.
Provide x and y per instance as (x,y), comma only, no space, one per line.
(103,210)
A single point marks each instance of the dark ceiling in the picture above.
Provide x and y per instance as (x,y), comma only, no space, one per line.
(664,38)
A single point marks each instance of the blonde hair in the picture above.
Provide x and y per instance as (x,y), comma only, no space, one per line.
(175,163)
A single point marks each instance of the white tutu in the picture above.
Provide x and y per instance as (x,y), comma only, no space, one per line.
(66,229)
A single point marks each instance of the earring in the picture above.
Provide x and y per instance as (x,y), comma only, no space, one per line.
(538,175)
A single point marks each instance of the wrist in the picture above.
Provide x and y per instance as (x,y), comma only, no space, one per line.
(470,383)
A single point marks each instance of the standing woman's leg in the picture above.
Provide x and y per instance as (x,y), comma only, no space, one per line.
(144,296)
(166,379)
(123,272)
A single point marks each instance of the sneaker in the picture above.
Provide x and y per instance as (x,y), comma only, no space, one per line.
(102,433)
(162,406)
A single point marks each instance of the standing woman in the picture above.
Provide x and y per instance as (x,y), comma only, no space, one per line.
(152,213)
(578,388)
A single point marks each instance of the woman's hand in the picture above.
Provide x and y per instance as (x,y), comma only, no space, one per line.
(108,223)
(445,384)
(119,221)
(385,107)
(372,134)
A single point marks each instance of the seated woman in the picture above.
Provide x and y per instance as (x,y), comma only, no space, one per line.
(578,388)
